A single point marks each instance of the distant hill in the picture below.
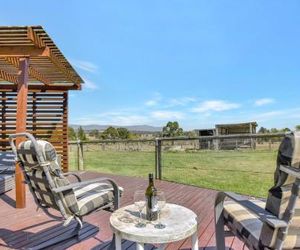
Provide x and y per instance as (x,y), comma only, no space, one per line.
(133,128)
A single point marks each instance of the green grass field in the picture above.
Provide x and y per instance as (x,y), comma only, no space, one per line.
(246,172)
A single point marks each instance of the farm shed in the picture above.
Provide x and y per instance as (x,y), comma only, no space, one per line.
(35,78)
(235,128)
(207,143)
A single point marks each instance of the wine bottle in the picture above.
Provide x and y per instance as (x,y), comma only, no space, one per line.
(151,199)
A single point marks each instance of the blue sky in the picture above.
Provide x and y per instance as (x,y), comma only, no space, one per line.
(198,62)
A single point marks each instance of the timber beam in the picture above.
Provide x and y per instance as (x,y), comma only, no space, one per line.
(53,58)
(35,38)
(31,70)
(8,77)
(12,87)
(23,51)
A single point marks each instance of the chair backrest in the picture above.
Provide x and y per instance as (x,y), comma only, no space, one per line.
(43,173)
(280,194)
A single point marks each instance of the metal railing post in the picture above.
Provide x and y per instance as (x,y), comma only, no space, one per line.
(158,170)
(156,162)
(159,160)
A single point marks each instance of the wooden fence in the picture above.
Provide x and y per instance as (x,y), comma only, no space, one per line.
(159,145)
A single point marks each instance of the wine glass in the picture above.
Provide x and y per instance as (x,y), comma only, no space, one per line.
(161,202)
(140,203)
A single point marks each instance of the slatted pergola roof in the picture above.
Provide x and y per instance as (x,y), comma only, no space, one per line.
(47,66)
(34,81)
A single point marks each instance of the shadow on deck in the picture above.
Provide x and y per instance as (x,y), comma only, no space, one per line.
(23,228)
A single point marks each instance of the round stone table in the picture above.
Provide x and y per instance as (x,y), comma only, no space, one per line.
(180,223)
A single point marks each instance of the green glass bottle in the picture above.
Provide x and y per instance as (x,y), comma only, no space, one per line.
(151,199)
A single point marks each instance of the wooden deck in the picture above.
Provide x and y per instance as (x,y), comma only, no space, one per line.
(22,228)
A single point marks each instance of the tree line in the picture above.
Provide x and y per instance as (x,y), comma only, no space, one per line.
(109,133)
(263,130)
(171,129)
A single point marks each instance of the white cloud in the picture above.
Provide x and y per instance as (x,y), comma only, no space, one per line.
(168,103)
(182,101)
(113,118)
(270,114)
(215,105)
(151,103)
(85,65)
(129,117)
(89,84)
(188,120)
(263,101)
(283,114)
(154,101)
(126,120)
(166,115)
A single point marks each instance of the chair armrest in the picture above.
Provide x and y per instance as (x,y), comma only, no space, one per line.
(84,183)
(73,174)
(263,215)
(291,170)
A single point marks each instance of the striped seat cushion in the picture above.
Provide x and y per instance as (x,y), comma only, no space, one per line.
(28,155)
(257,235)
(40,186)
(78,201)
(39,183)
(93,196)
(243,222)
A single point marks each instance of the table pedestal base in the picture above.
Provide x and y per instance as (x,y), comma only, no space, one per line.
(140,246)
(118,240)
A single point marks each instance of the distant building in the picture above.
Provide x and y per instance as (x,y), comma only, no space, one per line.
(207,143)
(236,128)
(228,129)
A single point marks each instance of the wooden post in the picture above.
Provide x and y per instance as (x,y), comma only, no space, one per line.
(158,170)
(21,127)
(80,156)
(65,151)
(3,120)
(159,161)
(217,141)
(156,161)
(251,139)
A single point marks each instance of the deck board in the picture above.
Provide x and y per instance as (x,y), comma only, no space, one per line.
(20,228)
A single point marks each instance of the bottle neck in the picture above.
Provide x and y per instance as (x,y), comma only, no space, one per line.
(151,182)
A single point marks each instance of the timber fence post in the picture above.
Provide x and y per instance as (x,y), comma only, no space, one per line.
(80,155)
(78,164)
(158,170)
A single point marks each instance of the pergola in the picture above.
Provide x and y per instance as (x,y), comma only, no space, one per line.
(34,80)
